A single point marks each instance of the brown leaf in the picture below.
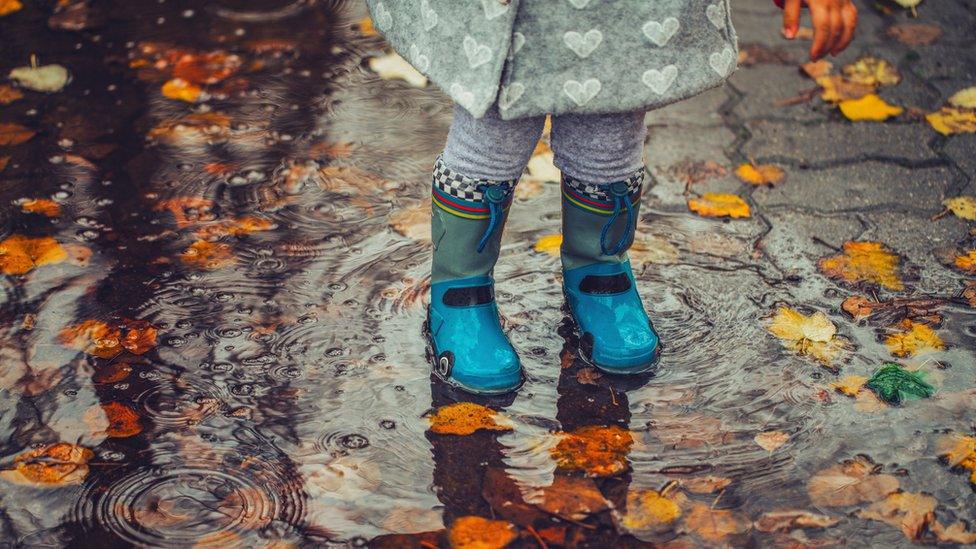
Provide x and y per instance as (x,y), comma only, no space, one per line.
(850,482)
(123,422)
(954,533)
(93,337)
(784,521)
(187,210)
(596,450)
(705,485)
(910,512)
(53,465)
(14,134)
(915,34)
(713,524)
(753,53)
(4,160)
(9,94)
(140,337)
(471,532)
(570,498)
(816,69)
(588,376)
(691,172)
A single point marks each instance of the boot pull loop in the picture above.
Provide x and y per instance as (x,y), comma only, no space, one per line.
(620,193)
(493,196)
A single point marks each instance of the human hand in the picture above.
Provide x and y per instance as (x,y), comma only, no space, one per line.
(834,22)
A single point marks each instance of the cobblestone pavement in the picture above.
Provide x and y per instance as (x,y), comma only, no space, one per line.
(212,333)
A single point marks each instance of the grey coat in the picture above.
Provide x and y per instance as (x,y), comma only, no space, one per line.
(558,56)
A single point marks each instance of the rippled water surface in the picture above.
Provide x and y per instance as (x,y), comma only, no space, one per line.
(262,255)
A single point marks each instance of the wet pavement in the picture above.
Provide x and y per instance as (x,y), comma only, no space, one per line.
(224,298)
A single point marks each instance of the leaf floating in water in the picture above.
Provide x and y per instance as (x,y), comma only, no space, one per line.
(412,221)
(549,244)
(48,79)
(181,90)
(571,498)
(814,335)
(910,512)
(42,206)
(14,134)
(113,419)
(464,418)
(713,525)
(849,385)
(650,511)
(57,464)
(10,6)
(393,67)
(959,451)
(868,262)
(784,521)
(471,532)
(894,384)
(913,339)
(596,450)
(21,254)
(771,440)
(849,483)
(208,255)
(93,337)
(9,94)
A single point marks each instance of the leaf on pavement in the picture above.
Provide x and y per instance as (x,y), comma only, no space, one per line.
(393,67)
(870,107)
(14,134)
(910,512)
(549,244)
(872,72)
(913,338)
(954,533)
(813,335)
(719,205)
(596,450)
(868,262)
(816,69)
(964,98)
(953,120)
(464,418)
(57,464)
(849,483)
(471,532)
(21,254)
(962,206)
(760,174)
(836,88)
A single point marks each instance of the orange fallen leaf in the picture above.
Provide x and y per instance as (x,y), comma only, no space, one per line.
(93,337)
(959,451)
(913,339)
(20,254)
(123,422)
(42,206)
(599,451)
(549,244)
(966,262)
(366,27)
(205,68)
(719,205)
(849,385)
(113,372)
(771,440)
(868,262)
(464,418)
(208,255)
(57,464)
(571,498)
(954,533)
(14,134)
(140,337)
(915,34)
(816,69)
(849,483)
(181,90)
(234,227)
(760,174)
(910,512)
(713,525)
(413,221)
(187,210)
(9,94)
(4,160)
(952,120)
(9,6)
(471,532)
(196,127)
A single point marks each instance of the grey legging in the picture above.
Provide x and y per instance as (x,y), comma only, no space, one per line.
(593,148)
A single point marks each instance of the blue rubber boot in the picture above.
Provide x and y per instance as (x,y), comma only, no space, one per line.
(469,348)
(599,222)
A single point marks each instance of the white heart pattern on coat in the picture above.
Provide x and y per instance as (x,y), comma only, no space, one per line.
(462,96)
(660,80)
(420,61)
(428,15)
(582,93)
(660,33)
(716,14)
(721,61)
(579,4)
(382,16)
(583,44)
(493,8)
(510,94)
(478,54)
(518,40)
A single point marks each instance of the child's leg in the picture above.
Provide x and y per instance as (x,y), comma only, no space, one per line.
(472,189)
(601,158)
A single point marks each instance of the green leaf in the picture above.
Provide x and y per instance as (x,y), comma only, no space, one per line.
(894,384)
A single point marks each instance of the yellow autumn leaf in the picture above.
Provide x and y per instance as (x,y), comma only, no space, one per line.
(849,385)
(760,174)
(471,532)
(464,418)
(864,262)
(913,338)
(952,120)
(964,99)
(549,244)
(20,254)
(181,90)
(872,71)
(649,510)
(719,205)
(836,88)
(771,440)
(813,335)
(366,27)
(870,107)
(959,451)
(9,6)
(962,206)
(393,67)
(599,451)
(966,262)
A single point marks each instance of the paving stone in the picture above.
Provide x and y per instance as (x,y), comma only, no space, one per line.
(701,110)
(861,186)
(762,86)
(838,141)
(790,243)
(962,150)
